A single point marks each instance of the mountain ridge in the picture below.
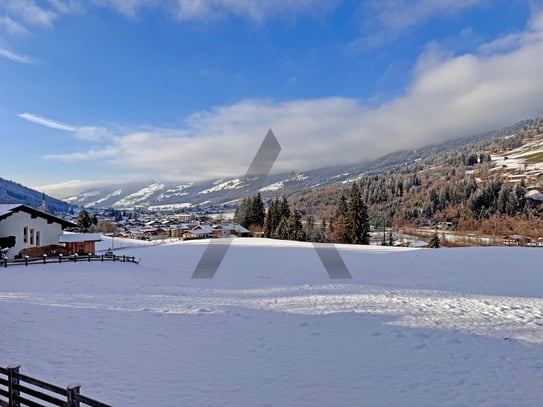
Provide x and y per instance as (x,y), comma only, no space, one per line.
(157,194)
(13,192)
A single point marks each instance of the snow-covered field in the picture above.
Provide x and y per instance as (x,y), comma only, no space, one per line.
(446,327)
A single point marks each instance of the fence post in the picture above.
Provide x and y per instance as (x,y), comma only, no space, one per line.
(60,257)
(89,257)
(124,258)
(26,259)
(13,380)
(44,258)
(73,389)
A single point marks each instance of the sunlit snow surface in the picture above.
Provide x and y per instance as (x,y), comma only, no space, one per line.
(447,327)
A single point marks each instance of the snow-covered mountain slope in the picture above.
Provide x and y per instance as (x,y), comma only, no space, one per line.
(414,327)
(162,194)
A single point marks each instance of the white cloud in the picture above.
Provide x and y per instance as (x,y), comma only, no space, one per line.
(72,187)
(129,8)
(204,10)
(100,154)
(18,16)
(29,11)
(448,98)
(506,43)
(253,10)
(11,26)
(384,21)
(46,122)
(92,133)
(14,57)
(66,6)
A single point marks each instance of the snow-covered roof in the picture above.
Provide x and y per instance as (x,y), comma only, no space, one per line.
(7,208)
(198,232)
(79,237)
(235,227)
(206,228)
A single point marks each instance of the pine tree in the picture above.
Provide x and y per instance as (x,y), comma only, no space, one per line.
(315,230)
(269,221)
(258,213)
(278,211)
(84,221)
(358,220)
(285,209)
(341,224)
(282,231)
(295,230)
(240,216)
(435,243)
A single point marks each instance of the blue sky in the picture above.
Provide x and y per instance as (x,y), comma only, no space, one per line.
(106,91)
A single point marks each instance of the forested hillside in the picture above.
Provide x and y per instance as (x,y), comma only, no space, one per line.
(12,192)
(468,188)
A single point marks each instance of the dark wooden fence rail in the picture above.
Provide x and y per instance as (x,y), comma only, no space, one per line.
(66,259)
(15,391)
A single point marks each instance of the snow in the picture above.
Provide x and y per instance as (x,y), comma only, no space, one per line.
(178,191)
(414,327)
(82,196)
(182,205)
(519,158)
(139,196)
(79,237)
(232,184)
(115,193)
(6,209)
(273,187)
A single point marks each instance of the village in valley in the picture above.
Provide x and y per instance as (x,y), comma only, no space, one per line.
(35,232)
(505,179)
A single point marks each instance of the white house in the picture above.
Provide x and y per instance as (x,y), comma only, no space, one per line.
(30,227)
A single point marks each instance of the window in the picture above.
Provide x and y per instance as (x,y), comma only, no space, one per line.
(38,238)
(25,234)
(32,237)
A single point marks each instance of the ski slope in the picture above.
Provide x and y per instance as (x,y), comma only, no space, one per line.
(414,327)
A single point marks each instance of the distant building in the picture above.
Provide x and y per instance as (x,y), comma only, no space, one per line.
(513,240)
(231,229)
(80,243)
(198,232)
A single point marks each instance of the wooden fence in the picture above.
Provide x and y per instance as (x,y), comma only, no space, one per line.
(17,390)
(26,260)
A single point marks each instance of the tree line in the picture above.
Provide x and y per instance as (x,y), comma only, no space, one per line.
(349,225)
